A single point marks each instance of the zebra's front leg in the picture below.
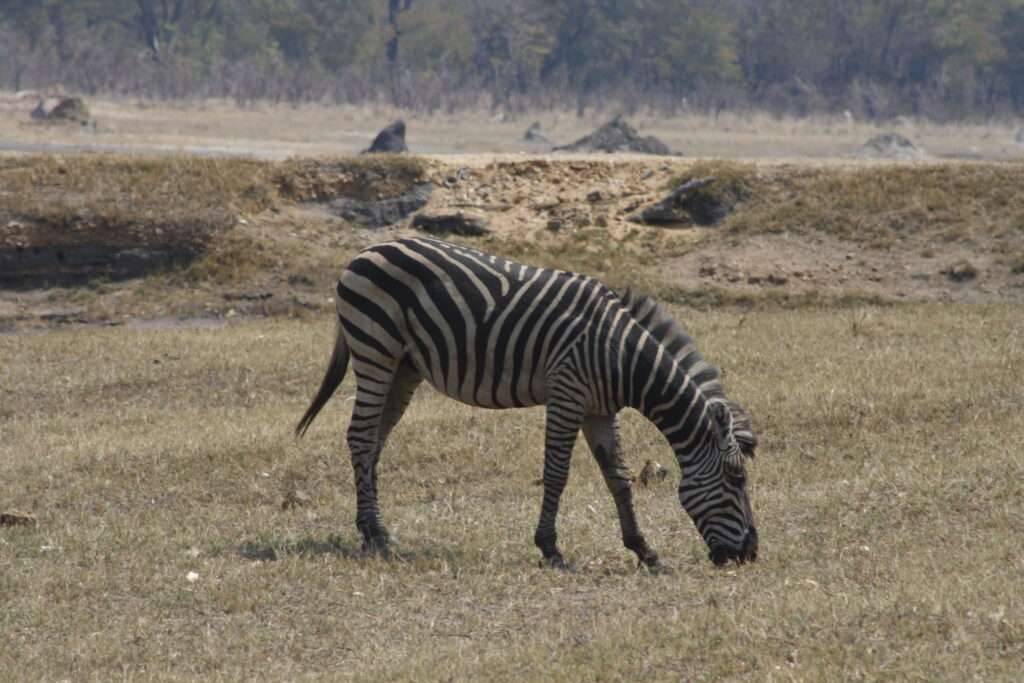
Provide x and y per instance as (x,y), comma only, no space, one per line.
(602,434)
(562,426)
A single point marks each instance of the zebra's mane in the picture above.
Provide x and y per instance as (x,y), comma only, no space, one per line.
(671,335)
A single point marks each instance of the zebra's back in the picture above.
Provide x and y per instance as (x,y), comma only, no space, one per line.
(481,329)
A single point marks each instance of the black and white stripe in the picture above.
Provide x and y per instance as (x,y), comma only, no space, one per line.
(497,334)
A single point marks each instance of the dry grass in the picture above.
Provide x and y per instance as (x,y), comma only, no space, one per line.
(874,206)
(887,490)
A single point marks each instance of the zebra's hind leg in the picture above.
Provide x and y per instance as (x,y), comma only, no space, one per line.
(563,424)
(381,398)
(602,434)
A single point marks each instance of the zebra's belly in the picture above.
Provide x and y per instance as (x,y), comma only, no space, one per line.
(522,391)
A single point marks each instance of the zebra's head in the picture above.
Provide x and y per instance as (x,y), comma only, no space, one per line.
(713,491)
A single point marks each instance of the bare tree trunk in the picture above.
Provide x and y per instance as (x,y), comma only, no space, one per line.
(150,27)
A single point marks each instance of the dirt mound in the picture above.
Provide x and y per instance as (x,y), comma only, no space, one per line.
(617,136)
(391,140)
(891,146)
(70,110)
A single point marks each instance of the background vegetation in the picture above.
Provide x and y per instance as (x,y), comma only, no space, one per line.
(945,59)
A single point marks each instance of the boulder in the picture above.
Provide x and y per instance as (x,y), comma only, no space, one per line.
(70,110)
(458,223)
(382,212)
(39,113)
(617,136)
(692,203)
(391,140)
(891,146)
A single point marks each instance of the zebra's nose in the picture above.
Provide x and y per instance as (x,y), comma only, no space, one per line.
(749,551)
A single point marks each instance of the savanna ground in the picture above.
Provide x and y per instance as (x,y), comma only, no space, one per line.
(868,315)
(887,491)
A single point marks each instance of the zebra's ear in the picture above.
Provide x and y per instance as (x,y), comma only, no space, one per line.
(722,418)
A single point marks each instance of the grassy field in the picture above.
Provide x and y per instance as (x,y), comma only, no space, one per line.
(159,465)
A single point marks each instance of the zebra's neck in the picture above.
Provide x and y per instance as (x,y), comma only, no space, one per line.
(669,398)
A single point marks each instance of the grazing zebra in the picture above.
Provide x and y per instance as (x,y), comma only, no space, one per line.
(497,334)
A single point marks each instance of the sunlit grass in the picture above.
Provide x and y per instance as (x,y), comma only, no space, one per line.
(886,488)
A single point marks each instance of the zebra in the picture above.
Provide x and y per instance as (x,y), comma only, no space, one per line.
(497,334)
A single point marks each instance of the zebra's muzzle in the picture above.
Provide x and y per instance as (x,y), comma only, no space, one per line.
(747,552)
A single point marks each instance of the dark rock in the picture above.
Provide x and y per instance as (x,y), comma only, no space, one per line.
(451,224)
(962,271)
(39,113)
(457,177)
(16,518)
(617,136)
(690,203)
(248,296)
(391,140)
(891,146)
(381,212)
(70,110)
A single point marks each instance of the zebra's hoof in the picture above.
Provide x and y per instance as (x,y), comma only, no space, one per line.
(555,562)
(377,547)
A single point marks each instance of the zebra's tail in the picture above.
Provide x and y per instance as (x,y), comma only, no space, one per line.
(332,378)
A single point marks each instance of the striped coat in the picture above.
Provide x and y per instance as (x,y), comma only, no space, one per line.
(498,334)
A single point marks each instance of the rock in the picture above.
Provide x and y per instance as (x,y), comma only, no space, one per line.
(554,225)
(617,136)
(391,140)
(70,110)
(39,113)
(457,177)
(891,146)
(690,203)
(16,518)
(451,224)
(962,271)
(381,212)
(534,134)
(595,196)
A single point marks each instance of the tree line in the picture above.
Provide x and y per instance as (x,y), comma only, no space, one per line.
(944,59)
